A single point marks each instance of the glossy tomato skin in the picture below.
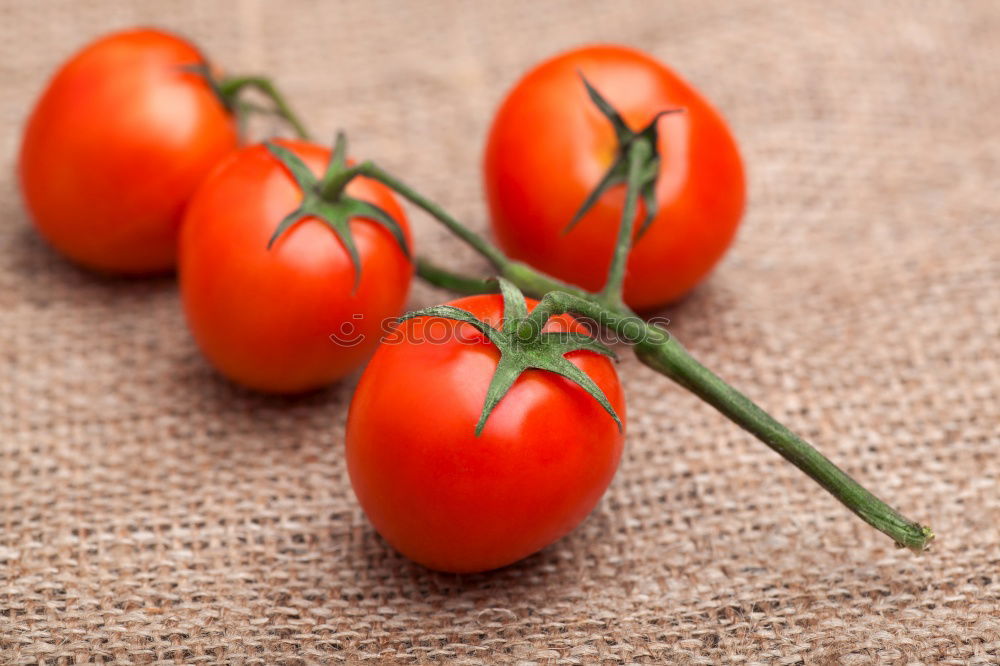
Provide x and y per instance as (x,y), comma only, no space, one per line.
(265,317)
(549,146)
(456,502)
(115,147)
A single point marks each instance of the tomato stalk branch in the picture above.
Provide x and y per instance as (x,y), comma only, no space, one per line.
(451,281)
(654,346)
(471,238)
(657,349)
(660,351)
(668,357)
(525,277)
(230,88)
(638,154)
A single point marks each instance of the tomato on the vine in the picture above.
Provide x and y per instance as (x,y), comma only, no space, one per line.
(298,314)
(455,501)
(115,147)
(549,146)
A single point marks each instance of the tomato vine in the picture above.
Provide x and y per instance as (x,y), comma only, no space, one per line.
(635,167)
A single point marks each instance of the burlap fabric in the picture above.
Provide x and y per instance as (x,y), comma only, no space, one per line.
(150,511)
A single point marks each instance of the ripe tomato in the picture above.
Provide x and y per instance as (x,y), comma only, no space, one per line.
(265,317)
(115,147)
(549,146)
(453,501)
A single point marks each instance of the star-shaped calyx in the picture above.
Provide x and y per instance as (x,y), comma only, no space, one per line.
(541,350)
(646,140)
(326,200)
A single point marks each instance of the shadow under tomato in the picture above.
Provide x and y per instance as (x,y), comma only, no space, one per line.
(32,262)
(559,567)
(241,422)
(138,321)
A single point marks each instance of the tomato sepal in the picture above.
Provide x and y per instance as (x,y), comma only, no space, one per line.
(326,201)
(618,173)
(519,352)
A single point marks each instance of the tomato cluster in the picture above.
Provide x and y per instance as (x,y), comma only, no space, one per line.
(132,163)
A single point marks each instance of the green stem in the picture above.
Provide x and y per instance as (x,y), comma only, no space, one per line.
(669,358)
(624,322)
(441,277)
(230,88)
(528,280)
(477,242)
(332,188)
(639,152)
(659,350)
(535,283)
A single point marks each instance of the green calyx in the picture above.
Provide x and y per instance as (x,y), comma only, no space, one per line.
(540,351)
(326,200)
(643,179)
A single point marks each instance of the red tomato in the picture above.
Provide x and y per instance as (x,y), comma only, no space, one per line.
(549,146)
(115,147)
(265,317)
(456,502)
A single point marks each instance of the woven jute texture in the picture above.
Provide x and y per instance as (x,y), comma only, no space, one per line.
(152,512)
